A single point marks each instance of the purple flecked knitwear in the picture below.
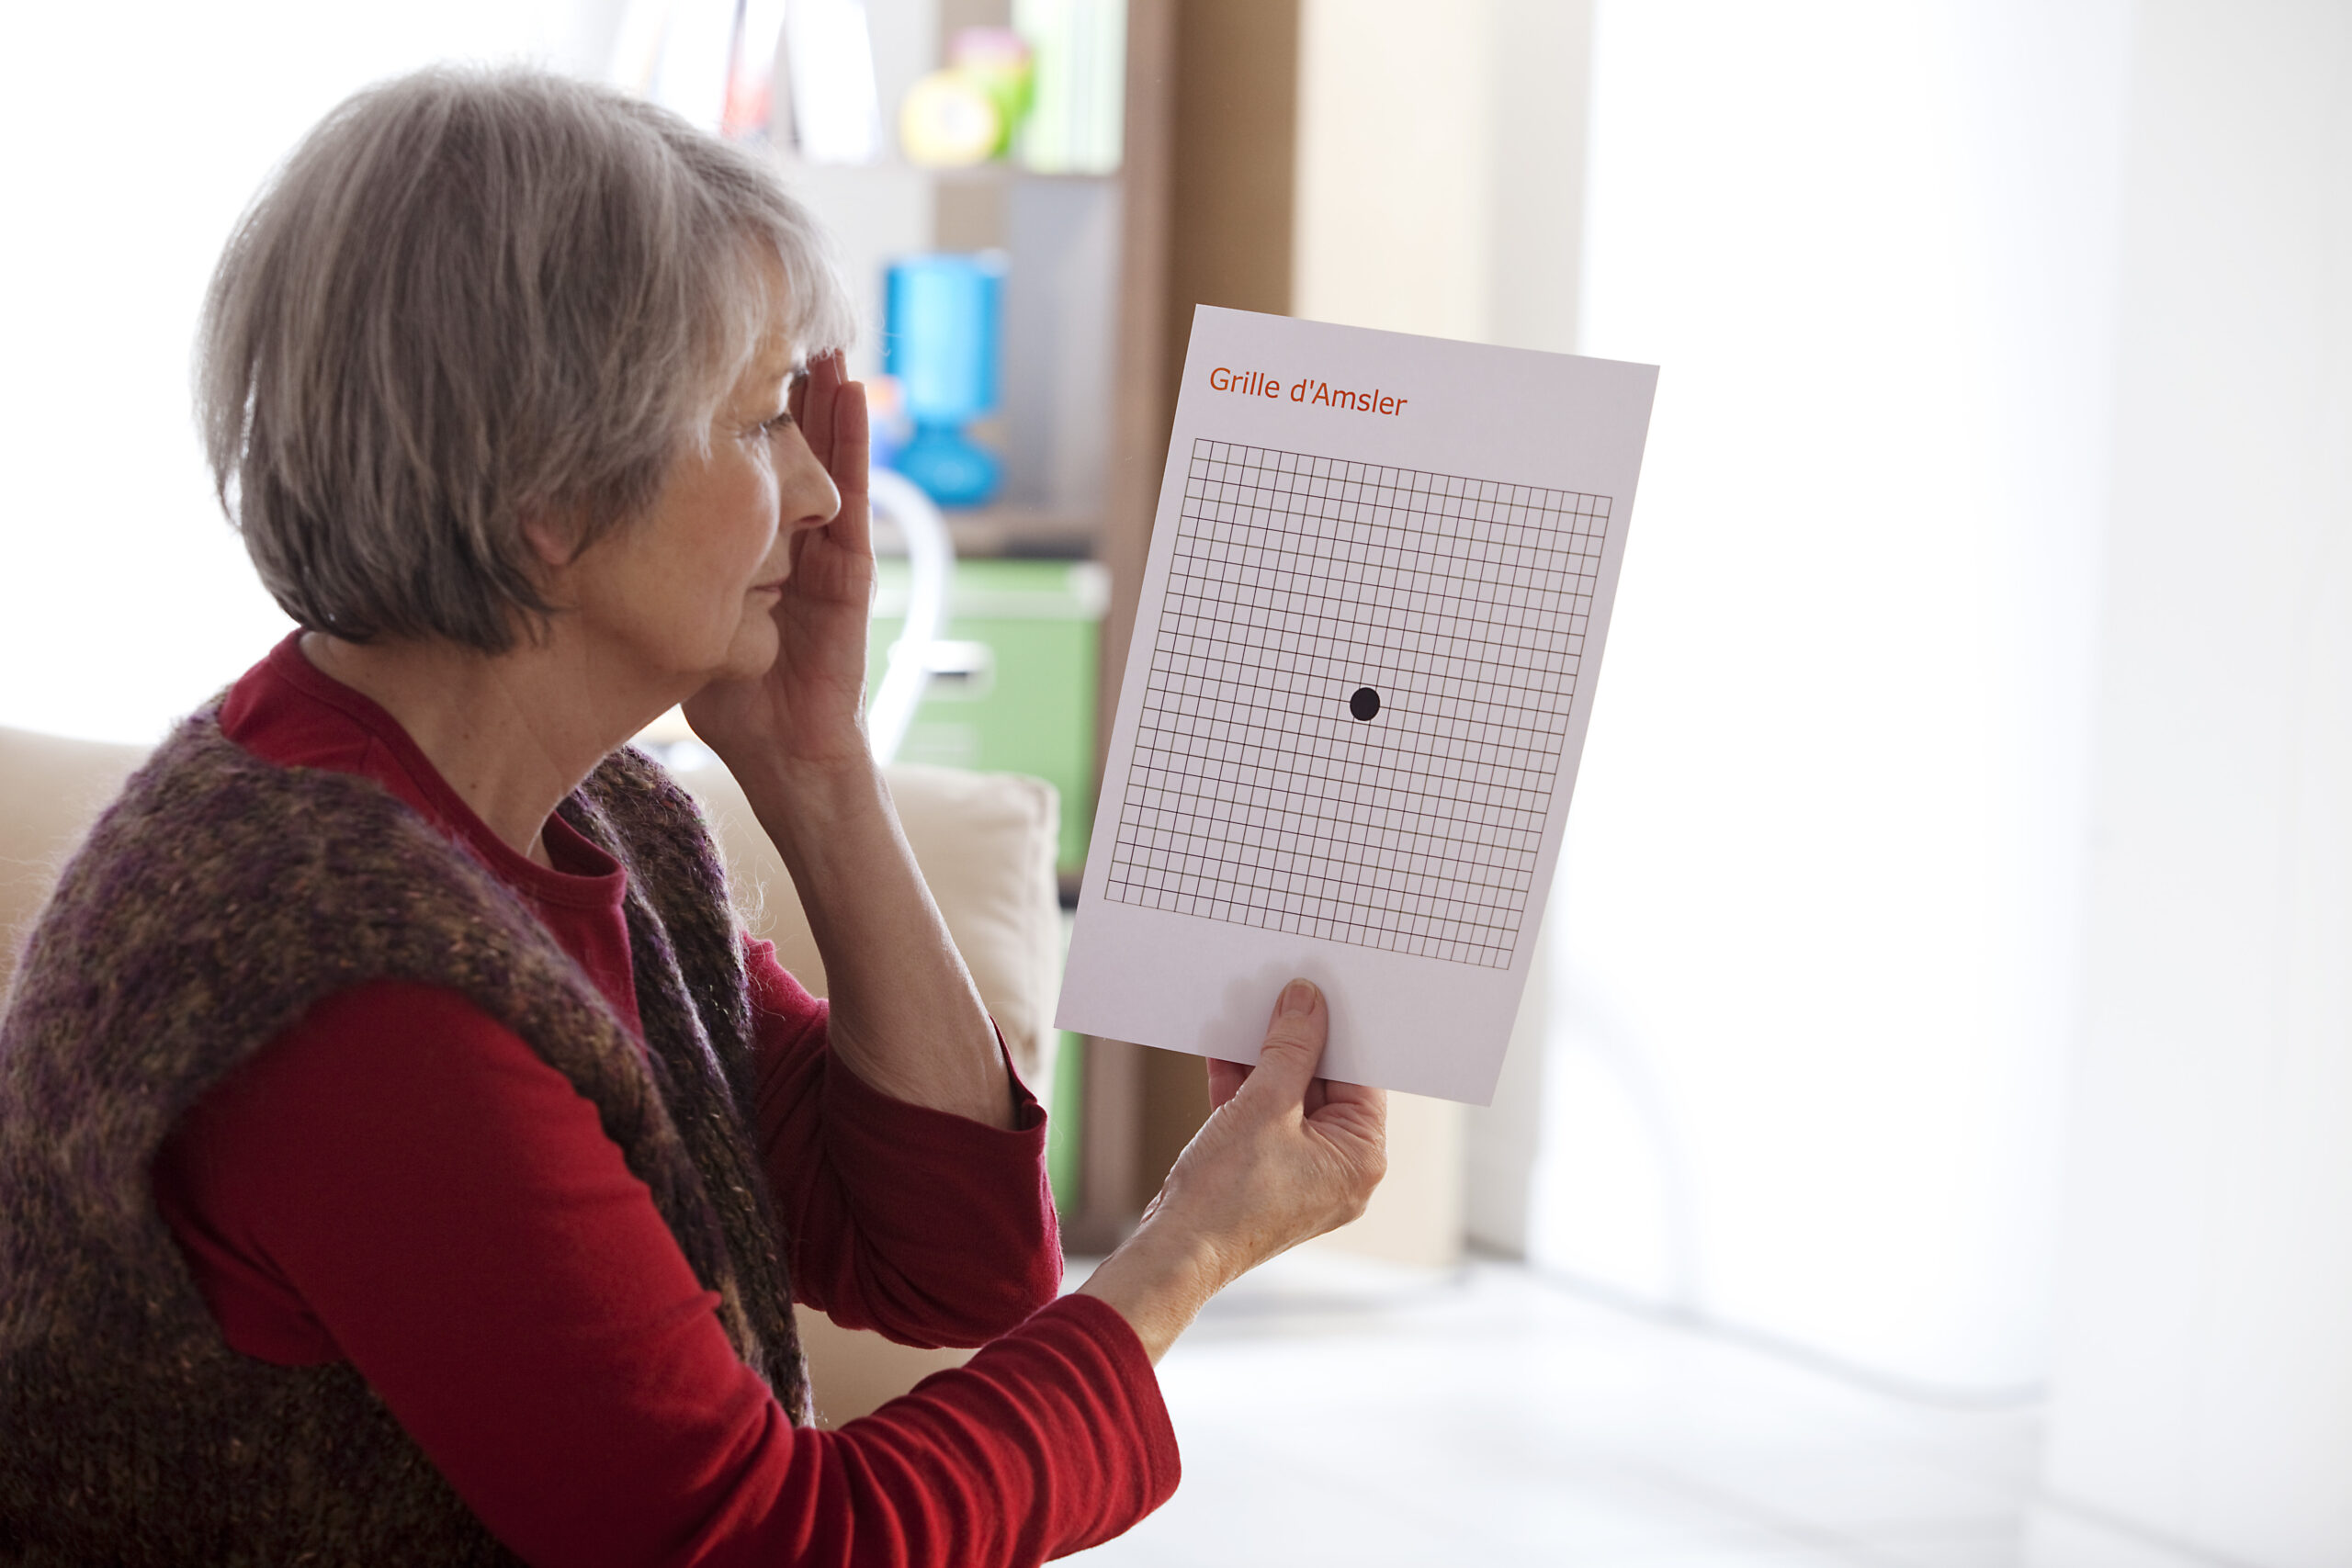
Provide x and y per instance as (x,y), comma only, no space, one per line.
(212,904)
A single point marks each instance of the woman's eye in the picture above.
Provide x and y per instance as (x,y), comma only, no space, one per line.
(781,418)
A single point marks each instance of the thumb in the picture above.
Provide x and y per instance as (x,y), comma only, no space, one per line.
(1294,1045)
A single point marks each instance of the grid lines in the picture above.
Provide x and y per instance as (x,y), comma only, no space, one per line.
(1256,797)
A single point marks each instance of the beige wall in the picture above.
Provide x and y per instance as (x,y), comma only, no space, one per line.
(1394,140)
(1441,167)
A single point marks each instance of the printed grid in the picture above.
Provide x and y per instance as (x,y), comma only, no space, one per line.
(1254,796)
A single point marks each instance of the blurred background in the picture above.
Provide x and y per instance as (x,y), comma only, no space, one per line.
(1928,1137)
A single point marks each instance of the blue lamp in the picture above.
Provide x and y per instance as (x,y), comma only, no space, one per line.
(939,340)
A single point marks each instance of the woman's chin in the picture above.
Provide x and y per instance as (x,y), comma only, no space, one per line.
(751,655)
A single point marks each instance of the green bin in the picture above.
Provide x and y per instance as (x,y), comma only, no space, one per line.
(1019,694)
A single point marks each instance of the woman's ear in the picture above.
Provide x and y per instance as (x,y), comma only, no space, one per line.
(551,537)
(551,542)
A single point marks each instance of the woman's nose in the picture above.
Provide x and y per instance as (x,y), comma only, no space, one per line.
(808,496)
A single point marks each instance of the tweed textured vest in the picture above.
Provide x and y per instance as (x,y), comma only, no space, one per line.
(212,904)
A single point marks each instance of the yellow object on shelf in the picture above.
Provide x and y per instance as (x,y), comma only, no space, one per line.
(949,120)
(943,121)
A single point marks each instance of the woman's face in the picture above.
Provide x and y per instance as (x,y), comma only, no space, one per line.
(687,594)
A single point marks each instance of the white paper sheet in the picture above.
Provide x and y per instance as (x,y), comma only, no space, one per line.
(1380,576)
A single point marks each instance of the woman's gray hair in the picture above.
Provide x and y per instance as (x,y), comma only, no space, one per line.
(471,297)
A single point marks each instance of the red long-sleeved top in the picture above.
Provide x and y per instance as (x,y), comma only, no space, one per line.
(401,1182)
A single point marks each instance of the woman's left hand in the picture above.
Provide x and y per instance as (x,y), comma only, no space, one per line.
(809,709)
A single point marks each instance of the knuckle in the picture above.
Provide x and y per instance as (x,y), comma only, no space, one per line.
(1284,1039)
(1299,1029)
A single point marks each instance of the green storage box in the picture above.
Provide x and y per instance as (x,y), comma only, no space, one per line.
(1019,696)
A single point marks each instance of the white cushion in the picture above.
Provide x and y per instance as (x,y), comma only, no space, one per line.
(51,791)
(985,843)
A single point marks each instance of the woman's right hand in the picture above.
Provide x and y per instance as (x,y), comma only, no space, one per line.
(1283,1157)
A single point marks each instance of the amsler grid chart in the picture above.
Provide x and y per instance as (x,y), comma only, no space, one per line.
(1357,701)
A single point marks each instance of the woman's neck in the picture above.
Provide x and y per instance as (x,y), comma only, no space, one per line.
(513,734)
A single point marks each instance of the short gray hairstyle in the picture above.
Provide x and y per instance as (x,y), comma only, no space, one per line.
(470,297)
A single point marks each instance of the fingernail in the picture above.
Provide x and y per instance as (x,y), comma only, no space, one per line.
(1298,997)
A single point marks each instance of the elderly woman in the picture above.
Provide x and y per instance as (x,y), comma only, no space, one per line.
(403,1154)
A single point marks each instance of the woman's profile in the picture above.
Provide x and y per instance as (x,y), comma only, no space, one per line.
(405,1155)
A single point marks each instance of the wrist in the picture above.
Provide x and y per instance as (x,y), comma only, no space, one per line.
(1158,1280)
(806,804)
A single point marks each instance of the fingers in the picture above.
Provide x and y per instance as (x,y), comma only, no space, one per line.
(819,405)
(1351,1125)
(1225,1079)
(853,526)
(1294,1044)
(1363,1111)
(851,441)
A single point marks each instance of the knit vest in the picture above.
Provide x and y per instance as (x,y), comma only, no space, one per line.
(211,905)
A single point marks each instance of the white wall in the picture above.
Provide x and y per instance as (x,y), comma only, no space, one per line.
(132,136)
(2203,1388)
(1821,876)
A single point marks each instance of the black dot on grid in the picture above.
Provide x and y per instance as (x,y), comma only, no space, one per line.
(1236,811)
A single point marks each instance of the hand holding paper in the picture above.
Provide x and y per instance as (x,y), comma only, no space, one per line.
(1284,1157)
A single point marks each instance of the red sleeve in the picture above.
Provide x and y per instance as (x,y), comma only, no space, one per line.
(931,1228)
(403,1183)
